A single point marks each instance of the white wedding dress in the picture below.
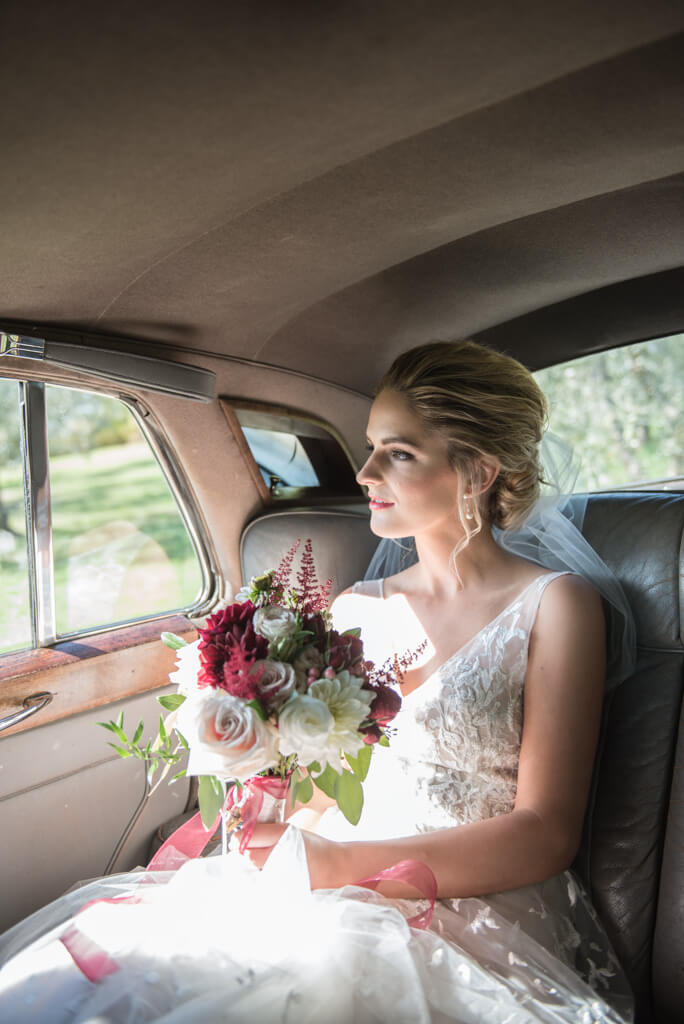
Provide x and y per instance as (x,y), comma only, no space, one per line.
(219,941)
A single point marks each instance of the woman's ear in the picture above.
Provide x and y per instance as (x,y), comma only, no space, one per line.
(488,471)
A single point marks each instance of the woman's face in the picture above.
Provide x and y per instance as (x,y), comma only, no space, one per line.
(411,485)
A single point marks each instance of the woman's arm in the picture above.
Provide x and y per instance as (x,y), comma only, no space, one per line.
(539,837)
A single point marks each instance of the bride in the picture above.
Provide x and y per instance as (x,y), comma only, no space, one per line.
(485,782)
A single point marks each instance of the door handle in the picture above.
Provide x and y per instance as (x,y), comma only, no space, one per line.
(36,702)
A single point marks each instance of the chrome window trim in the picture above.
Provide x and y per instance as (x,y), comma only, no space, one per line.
(34,445)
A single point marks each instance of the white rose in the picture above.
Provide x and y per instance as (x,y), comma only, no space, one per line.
(226,737)
(305,725)
(274,622)
(276,684)
(187,669)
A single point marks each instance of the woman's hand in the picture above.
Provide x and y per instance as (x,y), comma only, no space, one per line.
(326,860)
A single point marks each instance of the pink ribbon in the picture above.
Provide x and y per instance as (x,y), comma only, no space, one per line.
(251,804)
(186,843)
(411,872)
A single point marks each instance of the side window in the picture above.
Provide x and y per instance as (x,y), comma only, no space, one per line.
(107,540)
(623,412)
(292,457)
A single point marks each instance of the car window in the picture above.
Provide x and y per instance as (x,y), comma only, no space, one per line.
(623,412)
(109,545)
(291,457)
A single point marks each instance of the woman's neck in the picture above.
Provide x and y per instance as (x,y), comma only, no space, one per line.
(482,560)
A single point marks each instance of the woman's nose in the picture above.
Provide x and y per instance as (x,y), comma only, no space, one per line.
(369,472)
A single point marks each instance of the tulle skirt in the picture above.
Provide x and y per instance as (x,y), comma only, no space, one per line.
(218,940)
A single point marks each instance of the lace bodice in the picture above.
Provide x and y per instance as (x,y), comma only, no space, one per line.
(453,758)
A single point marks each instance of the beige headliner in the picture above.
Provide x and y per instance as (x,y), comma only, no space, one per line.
(319,186)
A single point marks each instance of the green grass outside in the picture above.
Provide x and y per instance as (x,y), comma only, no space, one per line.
(120,547)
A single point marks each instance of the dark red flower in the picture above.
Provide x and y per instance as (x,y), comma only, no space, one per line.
(385,706)
(316,625)
(228,648)
(346,651)
(371,733)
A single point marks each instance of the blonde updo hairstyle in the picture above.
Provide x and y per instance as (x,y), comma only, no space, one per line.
(487,406)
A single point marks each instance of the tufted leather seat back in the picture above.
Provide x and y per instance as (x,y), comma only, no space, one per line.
(342,543)
(632,856)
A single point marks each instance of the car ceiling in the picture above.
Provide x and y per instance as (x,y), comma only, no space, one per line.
(319,186)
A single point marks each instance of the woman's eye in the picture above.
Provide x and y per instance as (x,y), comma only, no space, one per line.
(399,453)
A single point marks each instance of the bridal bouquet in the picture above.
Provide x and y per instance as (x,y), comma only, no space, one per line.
(271,699)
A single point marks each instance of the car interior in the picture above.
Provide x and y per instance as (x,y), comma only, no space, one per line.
(223,221)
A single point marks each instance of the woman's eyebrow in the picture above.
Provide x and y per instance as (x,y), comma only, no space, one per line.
(397,439)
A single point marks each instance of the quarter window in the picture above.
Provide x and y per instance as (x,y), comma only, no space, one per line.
(623,413)
(292,457)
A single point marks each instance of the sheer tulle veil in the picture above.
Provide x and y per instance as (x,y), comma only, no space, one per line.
(550,536)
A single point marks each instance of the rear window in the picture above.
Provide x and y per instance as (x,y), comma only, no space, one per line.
(292,457)
(623,412)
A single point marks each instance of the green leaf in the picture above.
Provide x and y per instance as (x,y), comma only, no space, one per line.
(304,790)
(349,796)
(314,768)
(120,750)
(119,733)
(356,631)
(182,740)
(361,763)
(171,701)
(211,796)
(173,641)
(258,707)
(177,776)
(119,720)
(326,781)
(138,733)
(163,734)
(108,725)
(383,741)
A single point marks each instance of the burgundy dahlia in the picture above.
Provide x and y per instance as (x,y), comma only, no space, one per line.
(228,648)
(385,706)
(346,651)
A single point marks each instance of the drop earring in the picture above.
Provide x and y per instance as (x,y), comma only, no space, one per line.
(468,508)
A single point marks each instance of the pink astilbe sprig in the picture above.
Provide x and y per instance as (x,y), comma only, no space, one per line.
(283,572)
(393,669)
(313,595)
(306,594)
(228,648)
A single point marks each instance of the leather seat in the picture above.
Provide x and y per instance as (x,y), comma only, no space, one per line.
(632,857)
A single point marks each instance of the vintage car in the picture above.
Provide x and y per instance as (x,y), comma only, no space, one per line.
(219,224)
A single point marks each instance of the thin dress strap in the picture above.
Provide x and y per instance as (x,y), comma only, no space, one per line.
(368,588)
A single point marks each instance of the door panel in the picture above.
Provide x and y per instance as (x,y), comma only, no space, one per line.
(65,800)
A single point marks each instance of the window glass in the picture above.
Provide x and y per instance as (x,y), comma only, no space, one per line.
(298,458)
(121,548)
(15,615)
(281,455)
(623,412)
